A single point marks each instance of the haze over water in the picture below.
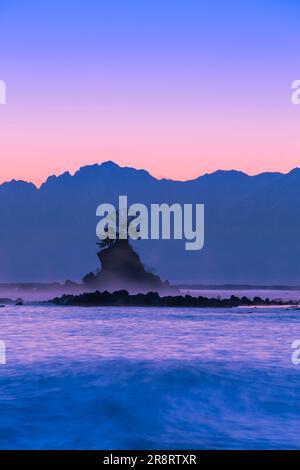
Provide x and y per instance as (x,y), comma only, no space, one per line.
(108,378)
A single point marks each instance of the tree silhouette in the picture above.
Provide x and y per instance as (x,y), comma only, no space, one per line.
(109,242)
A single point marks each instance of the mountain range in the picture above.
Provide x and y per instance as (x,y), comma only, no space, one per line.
(252,226)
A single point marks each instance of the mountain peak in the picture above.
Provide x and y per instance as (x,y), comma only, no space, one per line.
(295,171)
(55,179)
(109,164)
(17,185)
(228,173)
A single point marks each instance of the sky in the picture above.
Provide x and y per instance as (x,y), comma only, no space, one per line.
(177,87)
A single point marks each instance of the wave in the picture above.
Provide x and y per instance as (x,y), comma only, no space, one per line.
(125,404)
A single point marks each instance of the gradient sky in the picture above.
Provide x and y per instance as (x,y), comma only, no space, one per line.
(179,87)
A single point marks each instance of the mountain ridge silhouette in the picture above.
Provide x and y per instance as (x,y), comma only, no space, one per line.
(251,235)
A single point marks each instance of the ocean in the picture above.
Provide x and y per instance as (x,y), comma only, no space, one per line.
(149,378)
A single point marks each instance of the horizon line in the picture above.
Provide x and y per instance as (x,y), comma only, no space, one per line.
(164,178)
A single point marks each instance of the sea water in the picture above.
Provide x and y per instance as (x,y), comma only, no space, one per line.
(146,378)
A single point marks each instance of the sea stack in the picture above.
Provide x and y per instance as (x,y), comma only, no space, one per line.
(121,268)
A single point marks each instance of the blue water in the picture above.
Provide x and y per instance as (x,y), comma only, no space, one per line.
(135,378)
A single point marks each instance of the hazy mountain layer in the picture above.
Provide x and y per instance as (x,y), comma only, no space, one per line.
(252,228)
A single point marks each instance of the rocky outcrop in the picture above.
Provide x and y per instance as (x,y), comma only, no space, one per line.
(153,299)
(121,268)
